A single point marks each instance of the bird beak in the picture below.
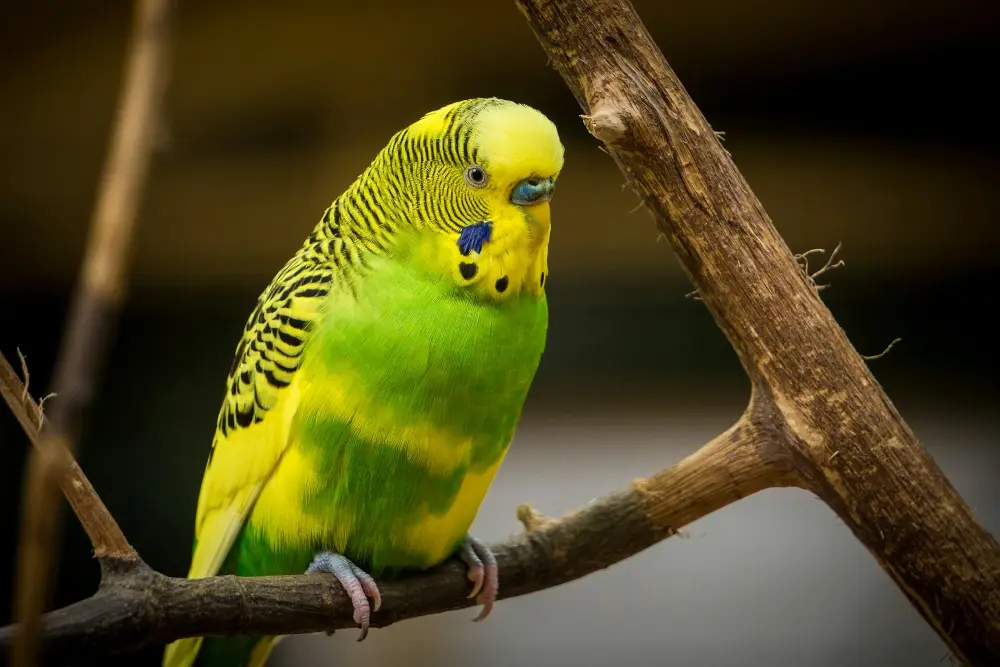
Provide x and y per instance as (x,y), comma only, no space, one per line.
(532,191)
(539,215)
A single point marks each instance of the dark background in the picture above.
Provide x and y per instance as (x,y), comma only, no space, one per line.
(867,123)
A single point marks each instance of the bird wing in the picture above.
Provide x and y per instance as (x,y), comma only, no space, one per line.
(252,432)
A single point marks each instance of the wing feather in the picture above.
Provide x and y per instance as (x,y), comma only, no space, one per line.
(252,432)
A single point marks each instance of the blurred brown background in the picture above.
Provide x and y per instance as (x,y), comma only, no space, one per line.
(862,122)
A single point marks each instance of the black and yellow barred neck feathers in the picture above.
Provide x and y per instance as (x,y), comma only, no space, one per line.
(416,181)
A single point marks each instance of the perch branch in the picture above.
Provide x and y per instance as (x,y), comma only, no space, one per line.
(807,378)
(95,306)
(137,606)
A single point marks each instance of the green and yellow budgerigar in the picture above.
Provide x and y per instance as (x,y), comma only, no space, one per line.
(381,376)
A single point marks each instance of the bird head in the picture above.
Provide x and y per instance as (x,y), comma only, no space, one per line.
(481,173)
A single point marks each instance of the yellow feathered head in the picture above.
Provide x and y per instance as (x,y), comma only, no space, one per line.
(482,172)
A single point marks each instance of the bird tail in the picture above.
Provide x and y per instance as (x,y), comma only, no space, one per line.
(182,653)
(215,553)
(219,652)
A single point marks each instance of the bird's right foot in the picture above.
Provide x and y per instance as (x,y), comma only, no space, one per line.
(357,583)
(483,573)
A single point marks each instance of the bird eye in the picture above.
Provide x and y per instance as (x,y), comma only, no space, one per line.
(475,176)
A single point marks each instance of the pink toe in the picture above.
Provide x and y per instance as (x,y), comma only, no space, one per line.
(477,576)
(491,586)
(369,587)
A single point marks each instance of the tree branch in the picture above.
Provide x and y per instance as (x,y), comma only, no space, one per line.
(136,606)
(816,418)
(95,306)
(849,444)
(101,527)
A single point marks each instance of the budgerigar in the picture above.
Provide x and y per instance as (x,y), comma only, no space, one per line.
(380,378)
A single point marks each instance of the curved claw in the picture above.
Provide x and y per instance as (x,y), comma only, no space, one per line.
(486,610)
(358,584)
(476,573)
(483,573)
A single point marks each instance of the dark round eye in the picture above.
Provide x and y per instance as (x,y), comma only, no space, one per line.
(475,176)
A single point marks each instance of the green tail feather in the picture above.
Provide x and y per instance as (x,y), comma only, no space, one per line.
(248,557)
(234,651)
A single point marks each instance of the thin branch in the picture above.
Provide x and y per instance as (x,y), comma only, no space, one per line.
(97,300)
(139,606)
(97,521)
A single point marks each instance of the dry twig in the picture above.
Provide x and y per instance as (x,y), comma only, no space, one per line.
(888,348)
(803,260)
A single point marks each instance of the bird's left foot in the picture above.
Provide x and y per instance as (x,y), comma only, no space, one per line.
(358,584)
(483,573)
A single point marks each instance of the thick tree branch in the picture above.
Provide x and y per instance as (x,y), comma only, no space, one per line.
(849,444)
(95,307)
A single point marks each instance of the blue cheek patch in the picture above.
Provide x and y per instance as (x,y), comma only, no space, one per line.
(472,237)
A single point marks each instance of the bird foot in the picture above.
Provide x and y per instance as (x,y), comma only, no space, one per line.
(483,573)
(358,584)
